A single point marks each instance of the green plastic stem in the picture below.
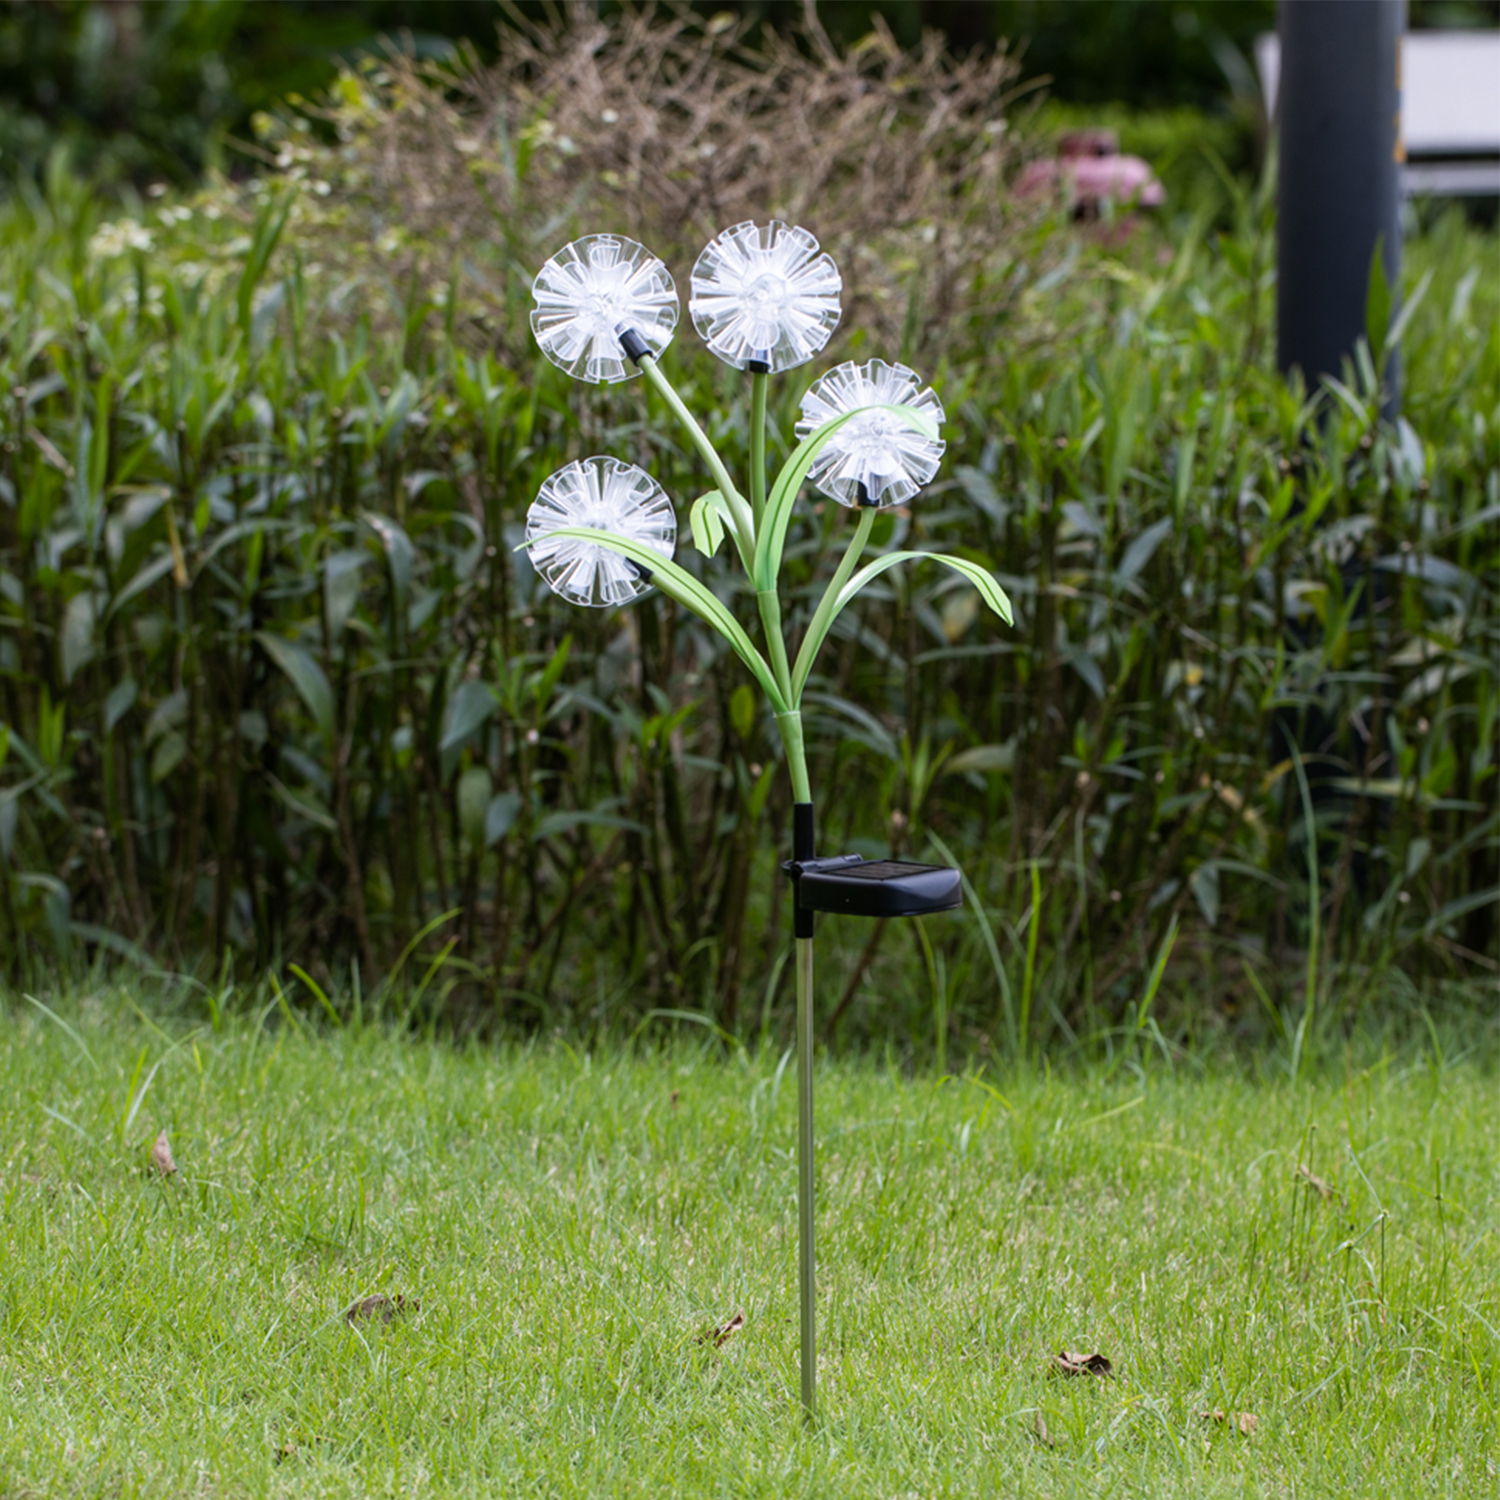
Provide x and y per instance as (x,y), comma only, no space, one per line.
(770,618)
(744,523)
(790,726)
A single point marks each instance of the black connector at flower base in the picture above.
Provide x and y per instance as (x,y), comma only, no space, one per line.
(857,887)
(635,347)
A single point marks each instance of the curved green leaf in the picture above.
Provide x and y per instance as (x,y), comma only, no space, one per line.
(400,556)
(680,585)
(148,574)
(989,591)
(306,675)
(467,709)
(341,580)
(556,823)
(778,513)
(707,521)
(500,817)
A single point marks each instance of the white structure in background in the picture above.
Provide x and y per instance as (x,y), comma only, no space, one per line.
(1450,109)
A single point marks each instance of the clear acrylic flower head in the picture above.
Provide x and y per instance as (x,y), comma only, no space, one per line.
(877,458)
(765,295)
(602,494)
(589,293)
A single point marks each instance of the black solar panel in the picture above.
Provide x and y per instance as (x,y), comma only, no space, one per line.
(883,869)
(875,888)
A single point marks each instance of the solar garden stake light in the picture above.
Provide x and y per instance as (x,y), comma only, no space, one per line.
(601,531)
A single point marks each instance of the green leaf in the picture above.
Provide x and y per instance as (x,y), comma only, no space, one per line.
(677,584)
(759,792)
(551,674)
(1141,550)
(989,591)
(1377,299)
(112,942)
(1402,320)
(707,520)
(467,709)
(474,789)
(167,756)
(1461,906)
(306,806)
(983,758)
(560,822)
(150,573)
(268,227)
(78,634)
(340,590)
(168,714)
(1204,882)
(117,704)
(400,556)
(306,675)
(500,817)
(778,512)
(742,710)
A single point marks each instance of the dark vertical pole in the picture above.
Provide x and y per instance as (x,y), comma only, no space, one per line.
(1338,103)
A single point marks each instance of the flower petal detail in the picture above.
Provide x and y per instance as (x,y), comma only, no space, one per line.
(589,293)
(765,295)
(602,494)
(875,459)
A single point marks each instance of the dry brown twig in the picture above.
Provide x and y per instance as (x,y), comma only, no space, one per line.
(668,127)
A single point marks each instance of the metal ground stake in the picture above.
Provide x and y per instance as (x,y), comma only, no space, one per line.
(806,1216)
(802,849)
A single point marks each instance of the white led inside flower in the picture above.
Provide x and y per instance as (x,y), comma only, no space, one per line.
(601,494)
(589,293)
(877,458)
(764,294)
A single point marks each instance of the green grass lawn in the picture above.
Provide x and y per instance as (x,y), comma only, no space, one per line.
(573,1224)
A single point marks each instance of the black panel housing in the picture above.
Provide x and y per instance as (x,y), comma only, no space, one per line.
(856,887)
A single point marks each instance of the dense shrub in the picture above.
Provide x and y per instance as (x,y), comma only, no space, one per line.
(276,687)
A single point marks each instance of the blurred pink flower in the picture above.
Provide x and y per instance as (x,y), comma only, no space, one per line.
(1089,166)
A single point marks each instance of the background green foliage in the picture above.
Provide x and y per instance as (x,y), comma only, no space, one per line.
(275,686)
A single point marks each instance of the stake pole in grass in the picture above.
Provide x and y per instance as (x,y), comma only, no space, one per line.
(802,849)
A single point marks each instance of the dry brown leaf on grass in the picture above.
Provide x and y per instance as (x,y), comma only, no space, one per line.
(722,1334)
(1246,1421)
(161,1156)
(386,1309)
(1070,1362)
(1324,1190)
(298,1448)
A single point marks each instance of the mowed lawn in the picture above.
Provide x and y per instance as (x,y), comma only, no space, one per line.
(559,1233)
